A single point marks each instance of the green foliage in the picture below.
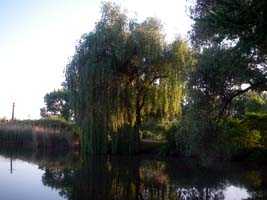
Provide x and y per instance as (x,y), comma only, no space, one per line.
(155,129)
(232,37)
(251,102)
(57,104)
(245,137)
(236,136)
(239,21)
(229,39)
(170,147)
(258,122)
(226,139)
(123,73)
(219,78)
(196,137)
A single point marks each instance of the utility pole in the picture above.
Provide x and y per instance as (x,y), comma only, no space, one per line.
(11,164)
(13,111)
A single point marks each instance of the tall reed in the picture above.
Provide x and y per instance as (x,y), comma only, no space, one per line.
(38,134)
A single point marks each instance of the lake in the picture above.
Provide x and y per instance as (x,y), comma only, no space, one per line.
(49,176)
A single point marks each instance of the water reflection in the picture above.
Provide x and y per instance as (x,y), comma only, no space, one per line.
(144,178)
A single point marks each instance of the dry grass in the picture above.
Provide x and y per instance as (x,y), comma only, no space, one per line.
(44,134)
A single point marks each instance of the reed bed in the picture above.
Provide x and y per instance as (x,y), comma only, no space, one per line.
(39,134)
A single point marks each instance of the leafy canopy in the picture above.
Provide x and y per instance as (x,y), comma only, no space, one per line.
(123,72)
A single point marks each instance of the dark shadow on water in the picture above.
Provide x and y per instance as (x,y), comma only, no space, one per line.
(144,178)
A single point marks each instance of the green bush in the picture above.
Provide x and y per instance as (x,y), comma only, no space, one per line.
(154,129)
(234,138)
(257,122)
(190,136)
(224,139)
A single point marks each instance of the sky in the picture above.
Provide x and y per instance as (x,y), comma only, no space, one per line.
(38,39)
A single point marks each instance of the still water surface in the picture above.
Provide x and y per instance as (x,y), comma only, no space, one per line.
(37,176)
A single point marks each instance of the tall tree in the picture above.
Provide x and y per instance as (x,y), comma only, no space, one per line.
(222,75)
(57,104)
(234,31)
(117,72)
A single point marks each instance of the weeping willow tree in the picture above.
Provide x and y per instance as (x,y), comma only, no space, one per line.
(121,72)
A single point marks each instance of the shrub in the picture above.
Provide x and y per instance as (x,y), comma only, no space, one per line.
(234,138)
(224,139)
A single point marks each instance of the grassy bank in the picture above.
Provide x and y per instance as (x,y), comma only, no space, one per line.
(50,134)
(57,135)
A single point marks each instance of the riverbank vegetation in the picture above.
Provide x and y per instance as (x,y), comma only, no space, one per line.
(226,97)
(45,134)
(128,88)
(205,98)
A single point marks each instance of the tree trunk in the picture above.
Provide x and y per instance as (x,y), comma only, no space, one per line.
(230,98)
(138,108)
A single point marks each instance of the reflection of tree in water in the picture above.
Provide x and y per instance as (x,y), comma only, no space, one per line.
(124,178)
(97,178)
(158,184)
(144,179)
(132,178)
(194,193)
(113,178)
(84,182)
(256,183)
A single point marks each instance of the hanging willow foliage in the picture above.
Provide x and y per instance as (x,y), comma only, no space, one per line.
(121,72)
